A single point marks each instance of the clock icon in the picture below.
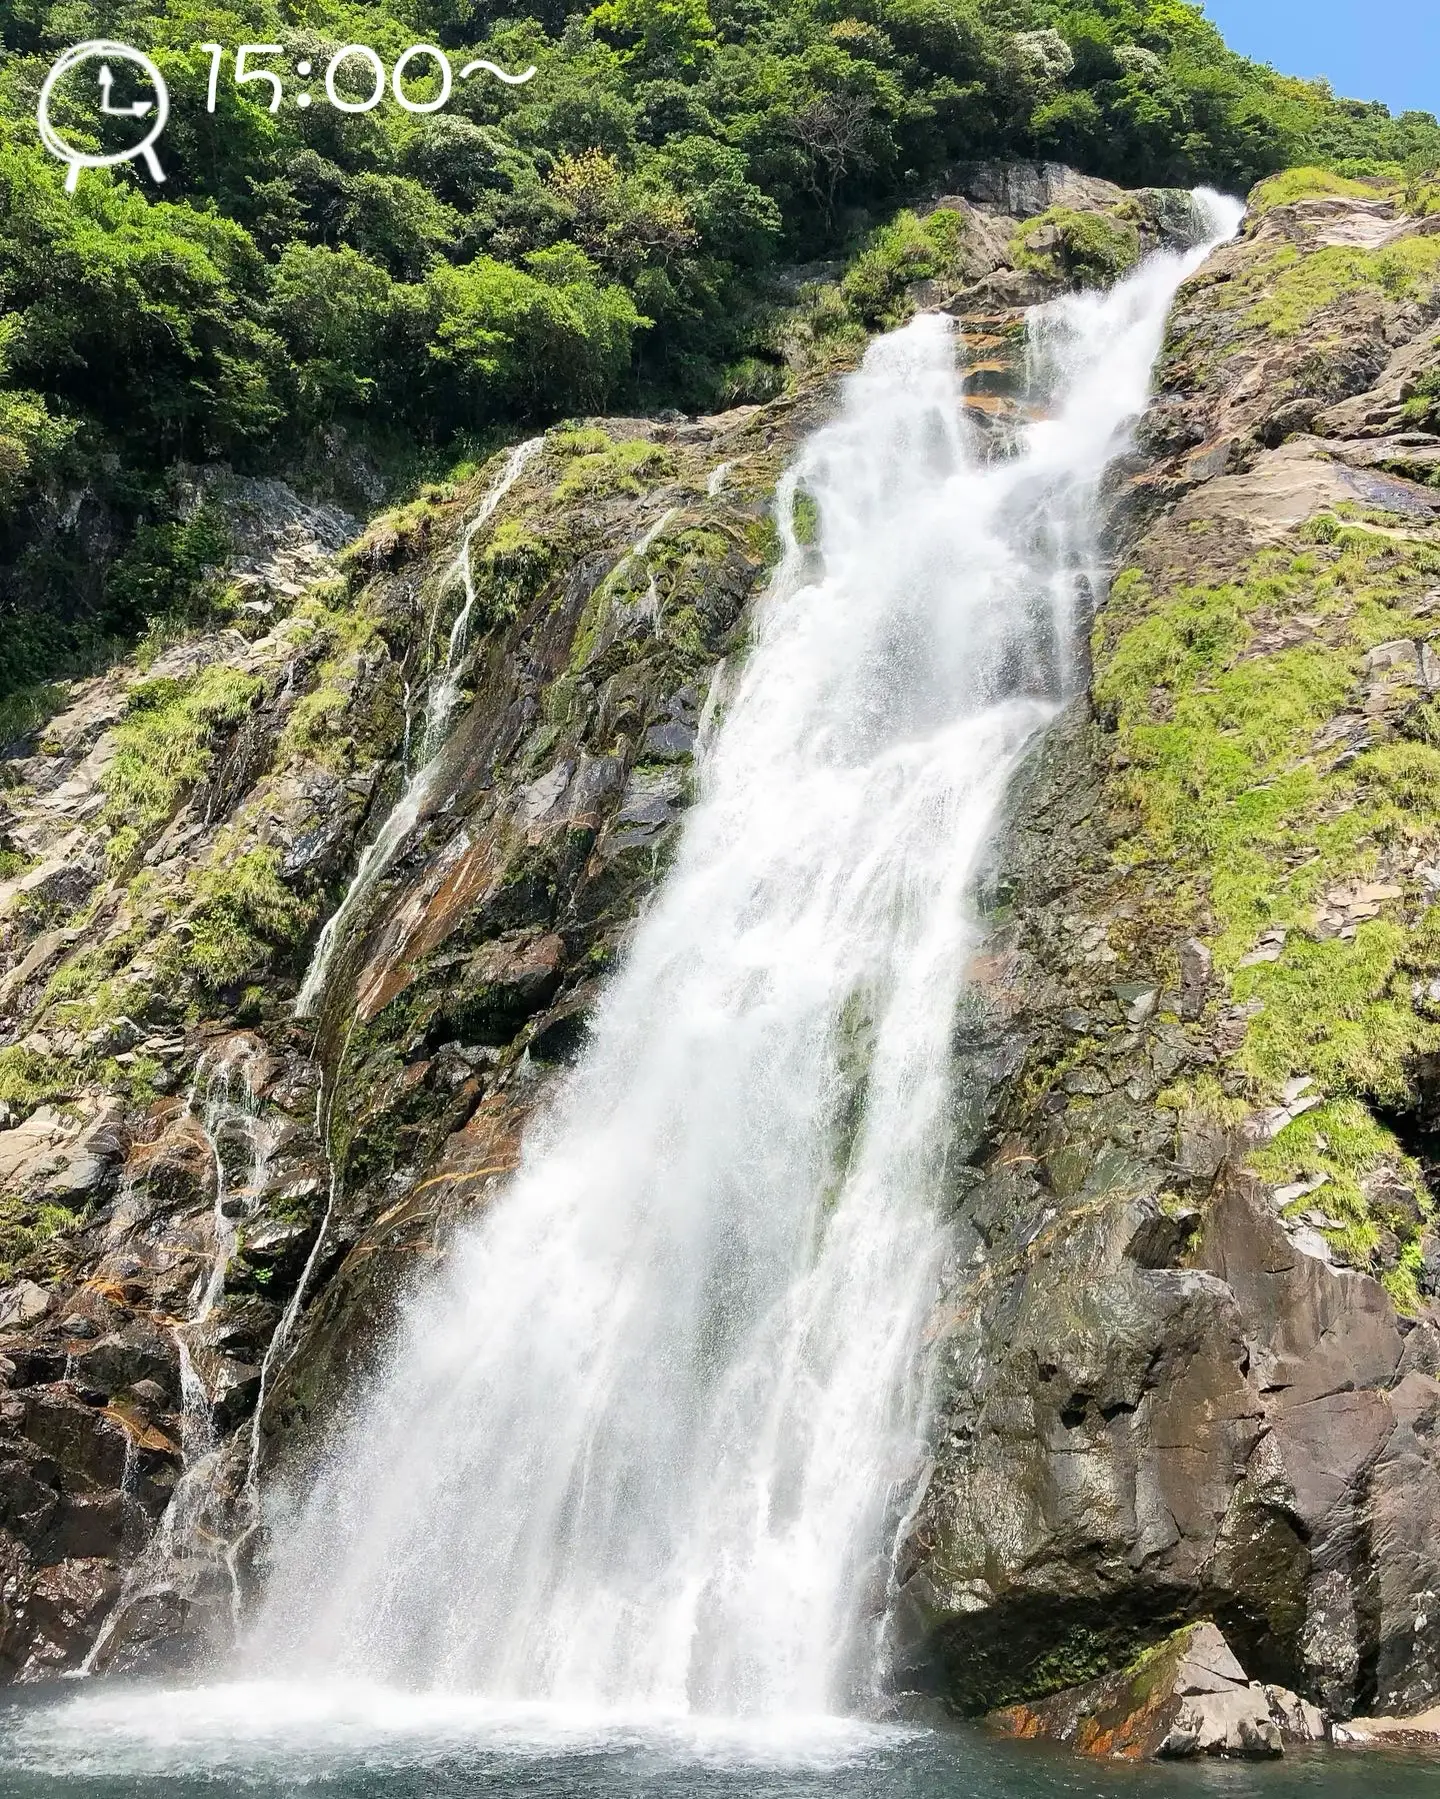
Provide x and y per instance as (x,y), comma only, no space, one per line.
(106,51)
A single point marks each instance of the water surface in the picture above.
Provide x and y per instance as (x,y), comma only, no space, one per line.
(352,1741)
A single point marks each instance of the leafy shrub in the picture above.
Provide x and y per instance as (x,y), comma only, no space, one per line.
(524,339)
(908,250)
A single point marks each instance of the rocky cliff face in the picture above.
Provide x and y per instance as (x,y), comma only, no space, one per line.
(1186,1362)
(1188,1354)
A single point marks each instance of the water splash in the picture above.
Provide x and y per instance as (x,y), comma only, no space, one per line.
(440,706)
(646,1437)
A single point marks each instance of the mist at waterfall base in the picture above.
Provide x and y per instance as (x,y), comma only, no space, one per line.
(618,1512)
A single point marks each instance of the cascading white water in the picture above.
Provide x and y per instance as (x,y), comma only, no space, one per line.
(639,1443)
(440,705)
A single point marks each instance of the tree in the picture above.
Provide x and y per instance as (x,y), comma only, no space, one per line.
(664,37)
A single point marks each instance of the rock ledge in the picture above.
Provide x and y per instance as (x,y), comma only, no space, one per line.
(1187,1697)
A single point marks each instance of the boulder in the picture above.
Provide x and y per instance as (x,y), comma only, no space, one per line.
(119,1360)
(22,1304)
(1295,1718)
(1187,1697)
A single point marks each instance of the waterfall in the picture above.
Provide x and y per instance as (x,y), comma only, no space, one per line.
(440,706)
(643,1440)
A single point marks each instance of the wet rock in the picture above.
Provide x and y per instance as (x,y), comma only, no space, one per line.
(68,1602)
(29,1502)
(88,1446)
(150,1395)
(234,1389)
(33,1365)
(1188,1697)
(90,1525)
(274,1250)
(506,983)
(118,1361)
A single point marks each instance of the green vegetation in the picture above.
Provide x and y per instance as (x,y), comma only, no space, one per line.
(908,249)
(805,518)
(313,293)
(25,1227)
(1308,184)
(29,1078)
(607,468)
(1288,290)
(1236,805)
(1359,1183)
(324,726)
(514,564)
(163,747)
(1093,248)
(243,917)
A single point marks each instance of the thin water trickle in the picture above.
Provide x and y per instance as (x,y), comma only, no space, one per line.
(275,1350)
(443,697)
(224,1102)
(445,691)
(643,1440)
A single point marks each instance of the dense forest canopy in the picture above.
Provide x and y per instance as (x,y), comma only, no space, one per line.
(422,284)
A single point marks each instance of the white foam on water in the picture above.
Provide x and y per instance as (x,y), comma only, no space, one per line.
(251,1728)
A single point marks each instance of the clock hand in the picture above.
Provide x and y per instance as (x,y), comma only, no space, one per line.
(137,109)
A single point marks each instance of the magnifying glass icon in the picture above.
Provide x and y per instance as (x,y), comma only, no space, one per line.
(84,159)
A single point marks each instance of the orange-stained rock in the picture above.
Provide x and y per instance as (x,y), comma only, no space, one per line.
(1187,1697)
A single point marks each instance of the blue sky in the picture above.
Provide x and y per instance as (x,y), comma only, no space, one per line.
(1369,49)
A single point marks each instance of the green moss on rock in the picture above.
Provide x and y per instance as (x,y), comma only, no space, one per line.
(1286,293)
(1309,183)
(1090,248)
(1228,767)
